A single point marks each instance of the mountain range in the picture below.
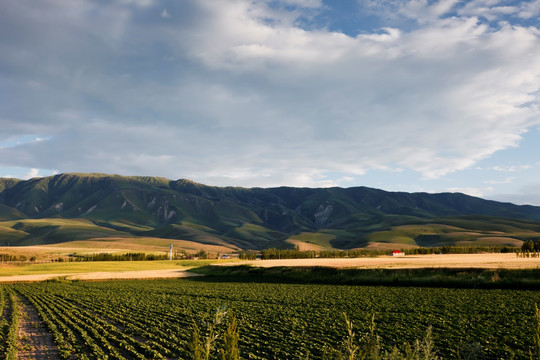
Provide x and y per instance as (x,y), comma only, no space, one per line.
(99,207)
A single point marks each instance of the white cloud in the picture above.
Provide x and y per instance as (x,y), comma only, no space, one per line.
(472,191)
(424,11)
(272,178)
(498,182)
(247,96)
(304,3)
(346,179)
(526,195)
(494,9)
(140,3)
(490,9)
(32,173)
(512,168)
(529,9)
(165,14)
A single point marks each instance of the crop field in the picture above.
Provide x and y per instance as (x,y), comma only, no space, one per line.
(489,261)
(153,319)
(90,267)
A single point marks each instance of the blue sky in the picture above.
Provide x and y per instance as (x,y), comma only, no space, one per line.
(400,95)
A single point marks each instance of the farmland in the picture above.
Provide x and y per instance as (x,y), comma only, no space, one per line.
(154,318)
(492,261)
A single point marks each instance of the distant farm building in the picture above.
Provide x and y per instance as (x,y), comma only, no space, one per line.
(397,253)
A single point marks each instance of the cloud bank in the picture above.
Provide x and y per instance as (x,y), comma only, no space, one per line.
(260,93)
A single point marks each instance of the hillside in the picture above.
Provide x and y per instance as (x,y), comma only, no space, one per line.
(80,207)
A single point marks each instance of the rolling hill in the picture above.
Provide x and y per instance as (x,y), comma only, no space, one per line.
(83,207)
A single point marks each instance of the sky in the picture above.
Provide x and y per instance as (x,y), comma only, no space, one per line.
(415,96)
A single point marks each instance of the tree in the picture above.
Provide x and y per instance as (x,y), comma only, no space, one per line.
(528,246)
(202,254)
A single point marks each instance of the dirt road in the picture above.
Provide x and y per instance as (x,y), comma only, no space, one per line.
(144,274)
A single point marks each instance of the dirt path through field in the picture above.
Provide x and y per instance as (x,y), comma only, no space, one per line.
(35,342)
(120,275)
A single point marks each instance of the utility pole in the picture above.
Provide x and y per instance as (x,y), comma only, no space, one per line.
(170,252)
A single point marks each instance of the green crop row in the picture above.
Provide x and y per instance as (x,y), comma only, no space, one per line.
(9,324)
(155,318)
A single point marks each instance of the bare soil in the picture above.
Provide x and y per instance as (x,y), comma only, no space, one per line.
(143,274)
(35,341)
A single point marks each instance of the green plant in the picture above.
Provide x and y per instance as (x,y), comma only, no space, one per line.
(368,346)
(230,350)
(535,351)
(350,346)
(202,348)
(146,319)
(195,346)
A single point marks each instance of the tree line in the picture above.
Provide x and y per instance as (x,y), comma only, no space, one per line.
(272,254)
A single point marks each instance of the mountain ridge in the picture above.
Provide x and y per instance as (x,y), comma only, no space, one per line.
(249,218)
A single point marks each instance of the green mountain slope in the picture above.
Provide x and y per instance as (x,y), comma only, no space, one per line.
(100,205)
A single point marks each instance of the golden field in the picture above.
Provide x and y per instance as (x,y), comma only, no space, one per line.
(488,261)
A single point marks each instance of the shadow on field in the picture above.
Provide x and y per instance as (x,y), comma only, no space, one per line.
(476,278)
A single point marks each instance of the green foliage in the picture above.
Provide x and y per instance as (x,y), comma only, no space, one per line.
(195,344)
(368,346)
(428,277)
(120,257)
(278,320)
(11,341)
(202,254)
(528,246)
(273,253)
(9,324)
(230,350)
(222,330)
(535,351)
(350,342)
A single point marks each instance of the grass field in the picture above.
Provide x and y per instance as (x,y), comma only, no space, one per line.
(115,245)
(312,241)
(45,231)
(455,231)
(98,266)
(486,261)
